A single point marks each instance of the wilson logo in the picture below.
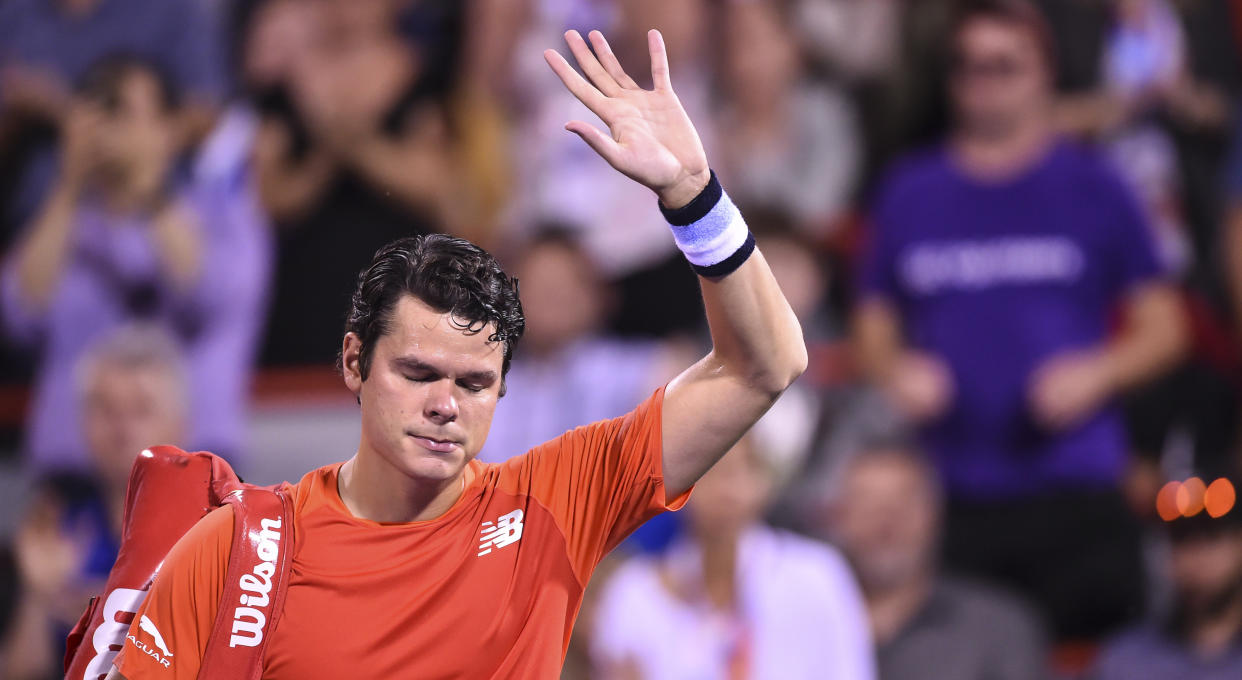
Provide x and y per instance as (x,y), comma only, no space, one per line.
(504,531)
(112,631)
(250,619)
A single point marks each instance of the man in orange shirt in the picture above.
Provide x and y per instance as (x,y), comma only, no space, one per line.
(412,559)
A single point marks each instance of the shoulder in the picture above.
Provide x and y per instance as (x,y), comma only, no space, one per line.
(1088,169)
(800,562)
(633,592)
(988,606)
(918,171)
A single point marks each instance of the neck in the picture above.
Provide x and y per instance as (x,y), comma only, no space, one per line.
(892,608)
(991,154)
(372,490)
(1212,635)
(720,569)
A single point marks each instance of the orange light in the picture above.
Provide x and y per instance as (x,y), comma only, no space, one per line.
(1166,502)
(1190,497)
(1220,497)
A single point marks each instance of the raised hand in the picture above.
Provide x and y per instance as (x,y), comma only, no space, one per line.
(652,140)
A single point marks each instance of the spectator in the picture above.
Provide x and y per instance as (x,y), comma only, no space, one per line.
(47,47)
(734,598)
(885,515)
(554,178)
(567,372)
(345,163)
(132,386)
(119,240)
(987,293)
(793,144)
(1201,637)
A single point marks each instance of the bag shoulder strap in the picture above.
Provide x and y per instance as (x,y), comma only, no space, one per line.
(255,585)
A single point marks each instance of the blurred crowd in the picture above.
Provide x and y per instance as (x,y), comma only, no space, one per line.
(1012,231)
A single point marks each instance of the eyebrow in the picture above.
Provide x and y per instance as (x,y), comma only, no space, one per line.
(410,363)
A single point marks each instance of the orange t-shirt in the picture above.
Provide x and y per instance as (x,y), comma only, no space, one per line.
(490,589)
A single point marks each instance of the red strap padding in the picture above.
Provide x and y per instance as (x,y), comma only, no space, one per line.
(255,585)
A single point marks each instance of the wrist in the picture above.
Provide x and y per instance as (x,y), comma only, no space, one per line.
(684,190)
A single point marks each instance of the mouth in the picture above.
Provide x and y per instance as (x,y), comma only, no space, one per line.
(435,444)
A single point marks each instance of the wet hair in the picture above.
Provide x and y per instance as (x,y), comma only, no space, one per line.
(1022,14)
(103,80)
(450,275)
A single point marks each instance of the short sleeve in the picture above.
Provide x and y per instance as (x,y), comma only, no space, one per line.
(602,481)
(1131,251)
(168,637)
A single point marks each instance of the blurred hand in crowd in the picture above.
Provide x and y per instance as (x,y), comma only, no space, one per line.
(79,147)
(920,385)
(1069,387)
(33,91)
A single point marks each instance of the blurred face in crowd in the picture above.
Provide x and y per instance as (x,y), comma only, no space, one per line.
(733,494)
(999,77)
(281,34)
(1207,570)
(127,408)
(761,59)
(136,133)
(428,400)
(886,519)
(561,294)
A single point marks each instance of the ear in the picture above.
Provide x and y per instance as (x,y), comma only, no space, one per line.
(351,369)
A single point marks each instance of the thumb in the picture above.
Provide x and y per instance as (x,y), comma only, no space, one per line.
(603,144)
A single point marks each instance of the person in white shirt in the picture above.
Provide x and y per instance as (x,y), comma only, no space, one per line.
(733,598)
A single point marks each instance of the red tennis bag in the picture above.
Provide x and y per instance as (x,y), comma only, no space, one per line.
(169,490)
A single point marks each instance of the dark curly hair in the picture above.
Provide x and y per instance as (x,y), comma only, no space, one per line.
(449,274)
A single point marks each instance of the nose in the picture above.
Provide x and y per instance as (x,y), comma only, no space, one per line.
(441,405)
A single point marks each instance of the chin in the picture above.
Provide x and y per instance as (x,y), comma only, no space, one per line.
(421,464)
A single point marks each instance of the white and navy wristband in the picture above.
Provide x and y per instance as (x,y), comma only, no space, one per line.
(710,231)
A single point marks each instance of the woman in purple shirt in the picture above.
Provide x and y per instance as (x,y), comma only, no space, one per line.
(115,242)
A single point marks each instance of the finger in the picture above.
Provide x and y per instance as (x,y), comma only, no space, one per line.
(609,60)
(659,60)
(590,65)
(584,91)
(603,144)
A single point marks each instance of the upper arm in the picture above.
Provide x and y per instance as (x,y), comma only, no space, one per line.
(601,481)
(182,602)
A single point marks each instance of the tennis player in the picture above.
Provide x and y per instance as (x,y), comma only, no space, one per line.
(412,559)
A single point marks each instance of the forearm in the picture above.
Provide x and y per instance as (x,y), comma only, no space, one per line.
(1153,340)
(755,335)
(877,342)
(413,173)
(178,244)
(42,254)
(757,351)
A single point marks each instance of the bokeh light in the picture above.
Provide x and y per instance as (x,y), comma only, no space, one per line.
(1220,497)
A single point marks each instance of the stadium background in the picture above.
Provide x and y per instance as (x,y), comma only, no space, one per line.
(309,132)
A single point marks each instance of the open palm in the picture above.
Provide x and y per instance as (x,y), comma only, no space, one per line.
(653,141)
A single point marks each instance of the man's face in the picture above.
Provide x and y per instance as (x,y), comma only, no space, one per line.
(1207,569)
(886,520)
(428,401)
(125,410)
(998,76)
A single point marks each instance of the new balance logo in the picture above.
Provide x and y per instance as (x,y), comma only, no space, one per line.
(504,531)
